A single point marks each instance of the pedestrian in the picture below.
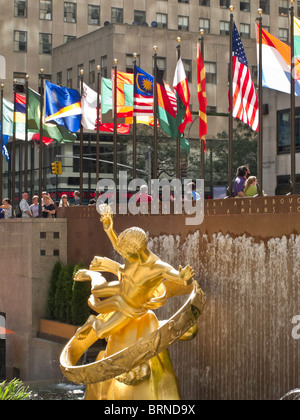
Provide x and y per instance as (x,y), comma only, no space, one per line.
(242,174)
(64,201)
(142,196)
(34,208)
(24,207)
(77,198)
(192,188)
(48,208)
(250,189)
(6,208)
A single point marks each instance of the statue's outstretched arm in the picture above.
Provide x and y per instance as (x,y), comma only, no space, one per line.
(182,276)
(107,221)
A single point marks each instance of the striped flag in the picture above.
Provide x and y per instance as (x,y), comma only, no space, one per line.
(245,101)
(143,94)
(201,78)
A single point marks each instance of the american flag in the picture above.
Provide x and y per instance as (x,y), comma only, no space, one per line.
(245,101)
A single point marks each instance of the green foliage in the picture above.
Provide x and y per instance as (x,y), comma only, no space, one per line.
(14,390)
(53,285)
(67,300)
(80,294)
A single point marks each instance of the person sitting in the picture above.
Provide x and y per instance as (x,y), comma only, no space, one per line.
(250,189)
(239,183)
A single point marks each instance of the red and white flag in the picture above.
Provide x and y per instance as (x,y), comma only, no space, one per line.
(181,87)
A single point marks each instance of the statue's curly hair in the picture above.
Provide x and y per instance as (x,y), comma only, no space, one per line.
(133,239)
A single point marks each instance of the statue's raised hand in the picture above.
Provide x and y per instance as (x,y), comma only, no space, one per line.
(106,216)
(186,274)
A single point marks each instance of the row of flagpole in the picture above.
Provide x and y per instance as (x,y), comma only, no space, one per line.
(115,150)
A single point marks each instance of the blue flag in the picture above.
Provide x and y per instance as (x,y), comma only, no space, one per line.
(62,106)
(143,93)
(5,153)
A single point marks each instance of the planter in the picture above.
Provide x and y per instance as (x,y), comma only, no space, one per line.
(57,329)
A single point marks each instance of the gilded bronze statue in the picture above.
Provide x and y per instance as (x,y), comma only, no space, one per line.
(136,362)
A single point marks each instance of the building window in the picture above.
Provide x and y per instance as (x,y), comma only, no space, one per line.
(20,79)
(162,20)
(46,9)
(70,10)
(283,34)
(204,2)
(21,8)
(59,78)
(183,1)
(129,62)
(211,73)
(224,28)
(68,38)
(265,6)
(70,78)
(139,17)
(103,61)
(204,24)
(245,6)
(92,71)
(20,41)
(45,43)
(116,15)
(283,7)
(162,66)
(284,131)
(187,64)
(93,15)
(224,4)
(245,30)
(183,23)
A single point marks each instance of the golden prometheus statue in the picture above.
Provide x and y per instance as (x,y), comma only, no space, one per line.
(135,364)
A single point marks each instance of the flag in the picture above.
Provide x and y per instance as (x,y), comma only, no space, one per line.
(124,94)
(62,106)
(9,120)
(297,48)
(166,113)
(5,153)
(143,93)
(50,131)
(89,114)
(202,99)
(244,101)
(276,64)
(181,87)
(5,137)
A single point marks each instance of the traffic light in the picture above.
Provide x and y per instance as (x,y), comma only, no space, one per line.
(54,168)
(59,167)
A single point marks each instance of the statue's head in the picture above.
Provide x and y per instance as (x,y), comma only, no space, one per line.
(132,241)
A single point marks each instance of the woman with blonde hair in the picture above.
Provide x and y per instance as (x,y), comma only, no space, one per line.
(250,189)
(64,201)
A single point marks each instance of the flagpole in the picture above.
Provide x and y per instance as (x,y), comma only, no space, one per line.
(41,143)
(13,181)
(99,77)
(201,40)
(293,141)
(230,133)
(260,101)
(134,120)
(178,172)
(115,137)
(1,152)
(26,138)
(81,145)
(155,149)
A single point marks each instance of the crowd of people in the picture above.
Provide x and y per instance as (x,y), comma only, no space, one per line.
(26,210)
(244,186)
